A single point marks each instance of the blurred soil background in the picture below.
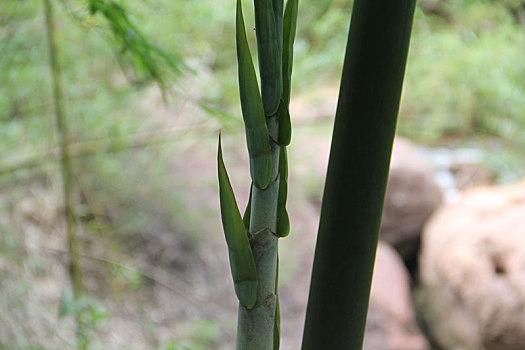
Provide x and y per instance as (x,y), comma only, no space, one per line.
(152,250)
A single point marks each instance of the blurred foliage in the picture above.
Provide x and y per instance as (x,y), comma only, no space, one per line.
(91,314)
(101,95)
(145,55)
(200,337)
(465,75)
(464,81)
(24,347)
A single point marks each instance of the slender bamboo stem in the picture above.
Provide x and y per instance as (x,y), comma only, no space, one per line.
(258,326)
(65,162)
(357,174)
(255,327)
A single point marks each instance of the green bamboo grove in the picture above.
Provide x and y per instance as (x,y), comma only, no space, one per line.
(364,129)
(252,238)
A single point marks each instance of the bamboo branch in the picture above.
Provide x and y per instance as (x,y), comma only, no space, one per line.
(110,145)
(65,163)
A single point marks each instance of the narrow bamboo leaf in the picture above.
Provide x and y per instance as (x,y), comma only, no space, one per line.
(241,258)
(257,136)
(289,29)
(285,125)
(283,221)
(149,59)
(248,211)
(269,55)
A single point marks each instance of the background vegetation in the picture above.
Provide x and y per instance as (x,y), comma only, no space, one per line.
(464,88)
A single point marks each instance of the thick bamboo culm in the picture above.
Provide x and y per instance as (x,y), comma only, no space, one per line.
(364,129)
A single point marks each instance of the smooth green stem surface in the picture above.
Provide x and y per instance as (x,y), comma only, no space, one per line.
(357,174)
(278,14)
(255,327)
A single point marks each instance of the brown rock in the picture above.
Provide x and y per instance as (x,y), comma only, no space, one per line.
(412,195)
(391,318)
(470,175)
(472,270)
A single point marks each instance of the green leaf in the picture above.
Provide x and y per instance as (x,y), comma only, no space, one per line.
(149,60)
(269,55)
(257,136)
(285,125)
(242,263)
(289,29)
(283,221)
(248,211)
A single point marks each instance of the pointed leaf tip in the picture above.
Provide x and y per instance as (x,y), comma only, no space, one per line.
(245,293)
(242,264)
(246,218)
(289,30)
(257,135)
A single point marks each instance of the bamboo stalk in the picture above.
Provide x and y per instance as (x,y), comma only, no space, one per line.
(65,163)
(255,327)
(364,129)
(268,130)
